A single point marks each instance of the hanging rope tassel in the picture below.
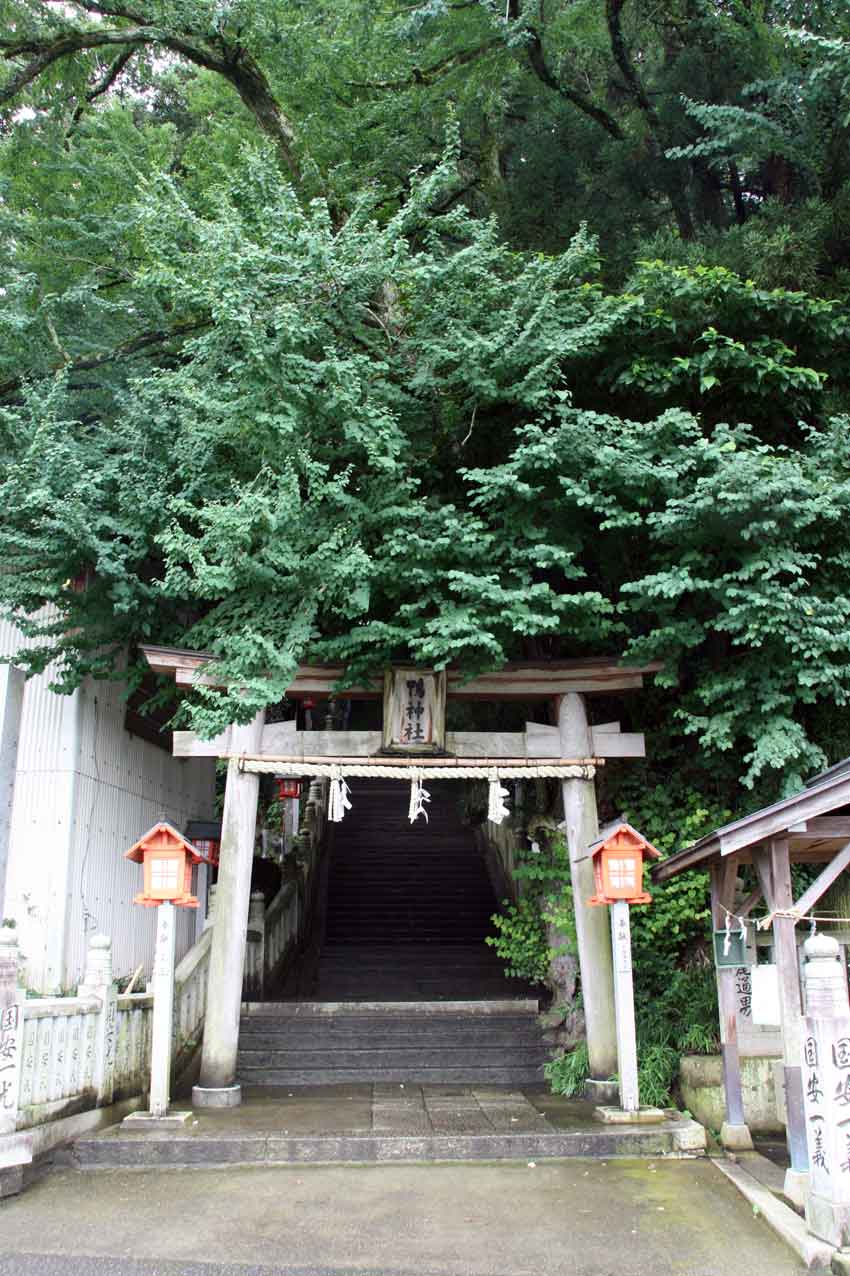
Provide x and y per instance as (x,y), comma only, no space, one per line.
(339,798)
(496,808)
(418,797)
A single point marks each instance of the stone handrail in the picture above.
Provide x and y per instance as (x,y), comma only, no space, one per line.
(131,1069)
(190,1000)
(282,928)
(58,1054)
(277,932)
(89,1051)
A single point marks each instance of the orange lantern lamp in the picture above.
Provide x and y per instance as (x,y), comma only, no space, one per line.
(168,858)
(618,865)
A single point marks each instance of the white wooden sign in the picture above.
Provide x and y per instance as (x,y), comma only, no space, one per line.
(414,710)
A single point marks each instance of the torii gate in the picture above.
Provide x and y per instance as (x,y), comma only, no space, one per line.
(572,751)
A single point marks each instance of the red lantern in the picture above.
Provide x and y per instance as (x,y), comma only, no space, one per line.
(618,865)
(287,788)
(208,846)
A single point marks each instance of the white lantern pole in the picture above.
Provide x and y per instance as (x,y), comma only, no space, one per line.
(162,986)
(163,1009)
(624,1006)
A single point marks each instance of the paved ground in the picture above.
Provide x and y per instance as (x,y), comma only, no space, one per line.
(340,1124)
(564,1218)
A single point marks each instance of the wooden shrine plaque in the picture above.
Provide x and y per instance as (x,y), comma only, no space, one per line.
(414,711)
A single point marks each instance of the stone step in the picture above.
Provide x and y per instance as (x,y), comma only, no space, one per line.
(457,886)
(460,1012)
(432,1075)
(364,957)
(368,1062)
(301,1038)
(184,1150)
(412,989)
(491,977)
(400,928)
(459,955)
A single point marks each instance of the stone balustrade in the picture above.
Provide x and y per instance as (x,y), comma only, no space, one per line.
(87,1052)
(94,1049)
(277,932)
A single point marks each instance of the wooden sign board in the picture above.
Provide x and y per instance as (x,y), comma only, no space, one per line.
(414,711)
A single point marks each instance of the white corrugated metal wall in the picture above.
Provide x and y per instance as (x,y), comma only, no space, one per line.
(85,790)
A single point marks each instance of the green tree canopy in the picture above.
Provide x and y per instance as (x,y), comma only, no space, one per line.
(282,376)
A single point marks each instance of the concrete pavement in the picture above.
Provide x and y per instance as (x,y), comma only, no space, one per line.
(559,1218)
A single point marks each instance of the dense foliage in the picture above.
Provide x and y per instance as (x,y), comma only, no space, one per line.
(453,331)
(674,980)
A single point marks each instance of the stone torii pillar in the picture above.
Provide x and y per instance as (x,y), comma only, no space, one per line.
(581,824)
(217,1083)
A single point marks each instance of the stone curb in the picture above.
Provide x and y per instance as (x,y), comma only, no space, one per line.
(787,1225)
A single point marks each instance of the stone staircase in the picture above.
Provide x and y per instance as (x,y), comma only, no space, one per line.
(404,990)
(448,1043)
(392,882)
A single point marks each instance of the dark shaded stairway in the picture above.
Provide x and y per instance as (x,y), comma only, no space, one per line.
(408,905)
(404,988)
(393,882)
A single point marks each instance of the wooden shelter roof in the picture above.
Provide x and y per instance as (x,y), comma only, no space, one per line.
(811,820)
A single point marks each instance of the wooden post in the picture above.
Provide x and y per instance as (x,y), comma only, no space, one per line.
(218,1086)
(594,945)
(163,1009)
(735,1133)
(624,999)
(791,1007)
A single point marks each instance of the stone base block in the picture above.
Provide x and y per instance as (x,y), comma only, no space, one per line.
(690,1136)
(796,1187)
(828,1221)
(841,1262)
(736,1138)
(617,1116)
(147,1121)
(11,1180)
(226,1096)
(15,1149)
(602,1093)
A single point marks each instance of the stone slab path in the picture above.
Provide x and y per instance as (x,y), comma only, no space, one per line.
(568,1218)
(384,1122)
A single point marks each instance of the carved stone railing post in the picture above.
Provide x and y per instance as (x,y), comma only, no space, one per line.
(15,1148)
(98,983)
(255,957)
(210,917)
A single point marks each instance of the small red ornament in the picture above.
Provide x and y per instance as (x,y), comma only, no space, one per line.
(287,788)
(209,847)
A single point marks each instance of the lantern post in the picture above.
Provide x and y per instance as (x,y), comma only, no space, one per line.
(618,859)
(168,858)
